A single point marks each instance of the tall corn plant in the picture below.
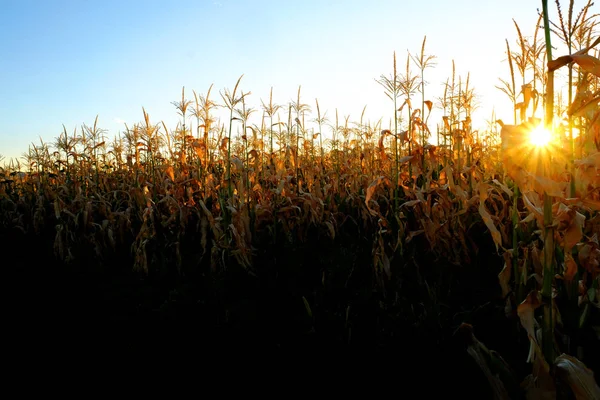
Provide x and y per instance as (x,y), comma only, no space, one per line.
(270,110)
(321,120)
(392,89)
(422,62)
(182,107)
(244,115)
(573,29)
(231,102)
(394,86)
(202,109)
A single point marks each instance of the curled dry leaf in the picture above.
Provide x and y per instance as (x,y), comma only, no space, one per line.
(238,164)
(412,234)
(589,257)
(372,188)
(454,188)
(170,173)
(331,229)
(579,378)
(577,57)
(526,313)
(539,385)
(533,204)
(504,188)
(485,215)
(587,63)
(496,370)
(504,278)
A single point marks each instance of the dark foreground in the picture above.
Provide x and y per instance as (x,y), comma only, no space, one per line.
(318,316)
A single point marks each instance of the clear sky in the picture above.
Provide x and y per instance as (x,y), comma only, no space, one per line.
(64,62)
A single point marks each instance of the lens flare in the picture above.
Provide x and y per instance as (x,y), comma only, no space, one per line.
(540,136)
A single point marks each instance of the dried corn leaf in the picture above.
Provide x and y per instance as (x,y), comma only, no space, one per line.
(532,202)
(504,278)
(540,384)
(593,160)
(587,63)
(487,219)
(579,378)
(495,369)
(570,267)
(526,313)
(411,203)
(372,188)
(331,229)
(574,232)
(564,60)
(412,234)
(405,159)
(504,188)
(307,307)
(551,187)
(485,215)
(170,173)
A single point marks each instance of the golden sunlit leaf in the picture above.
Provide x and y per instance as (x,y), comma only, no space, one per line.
(592,160)
(429,104)
(527,93)
(570,267)
(371,189)
(592,204)
(224,142)
(574,232)
(485,215)
(587,63)
(532,202)
(551,187)
(584,104)
(487,219)
(170,173)
(526,311)
(504,188)
(453,187)
(446,122)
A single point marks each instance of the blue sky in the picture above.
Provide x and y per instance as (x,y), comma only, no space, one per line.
(64,62)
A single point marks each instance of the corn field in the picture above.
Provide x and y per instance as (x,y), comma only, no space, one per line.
(289,228)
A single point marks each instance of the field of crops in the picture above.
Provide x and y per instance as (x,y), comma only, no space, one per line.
(473,253)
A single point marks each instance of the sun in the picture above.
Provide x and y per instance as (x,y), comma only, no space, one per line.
(540,136)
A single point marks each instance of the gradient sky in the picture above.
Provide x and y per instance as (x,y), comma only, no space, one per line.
(64,62)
